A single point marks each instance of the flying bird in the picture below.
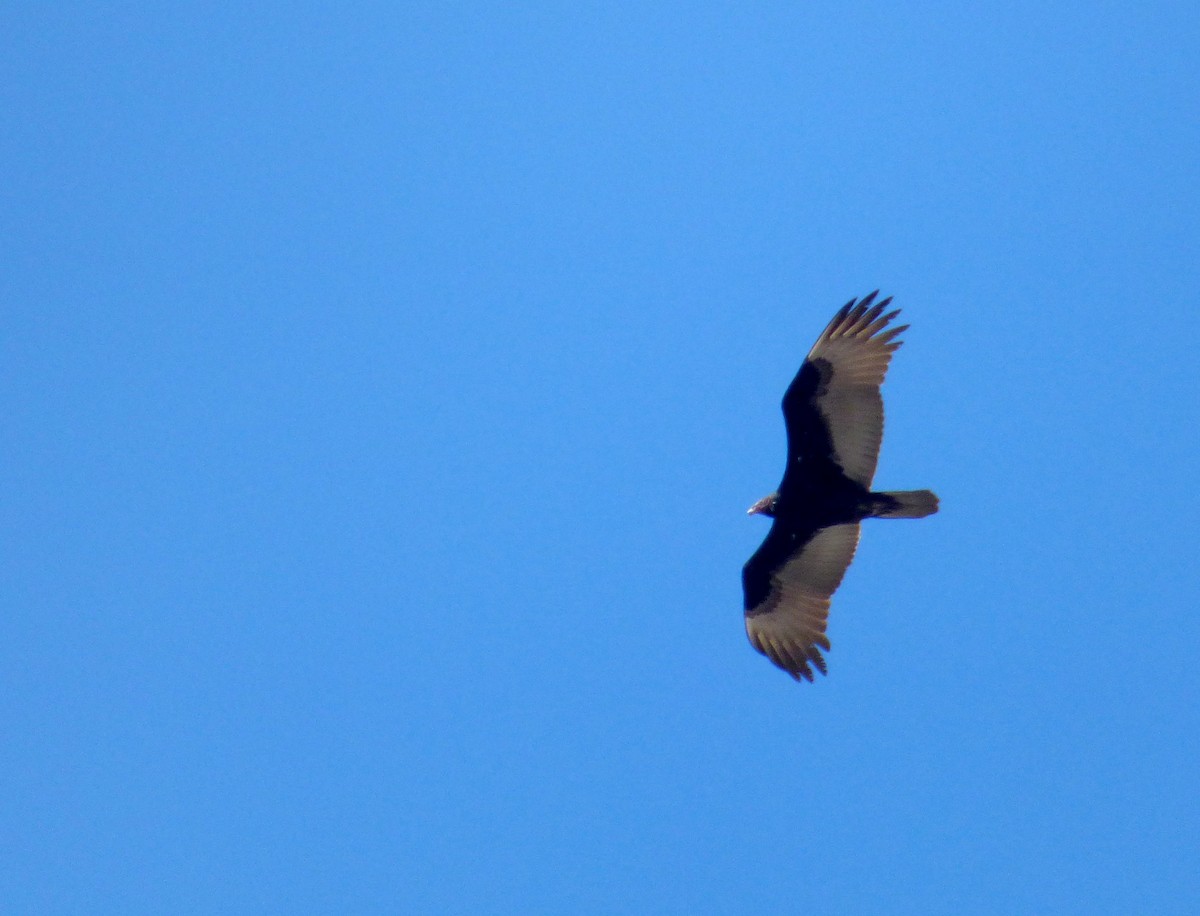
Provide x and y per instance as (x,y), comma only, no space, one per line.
(834,417)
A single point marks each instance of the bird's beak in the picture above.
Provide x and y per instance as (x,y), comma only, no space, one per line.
(760,507)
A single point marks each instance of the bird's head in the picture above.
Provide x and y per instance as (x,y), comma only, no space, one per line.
(765,506)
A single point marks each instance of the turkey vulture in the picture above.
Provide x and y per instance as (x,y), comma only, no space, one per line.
(834,417)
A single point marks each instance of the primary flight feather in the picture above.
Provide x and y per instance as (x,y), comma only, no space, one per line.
(834,417)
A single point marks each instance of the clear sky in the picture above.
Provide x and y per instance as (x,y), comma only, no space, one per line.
(384,386)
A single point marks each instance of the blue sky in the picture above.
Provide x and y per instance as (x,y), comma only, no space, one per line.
(385,385)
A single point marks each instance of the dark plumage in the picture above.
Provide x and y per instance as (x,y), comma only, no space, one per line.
(834,417)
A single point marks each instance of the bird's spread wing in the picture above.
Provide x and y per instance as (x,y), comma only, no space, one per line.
(787,584)
(833,406)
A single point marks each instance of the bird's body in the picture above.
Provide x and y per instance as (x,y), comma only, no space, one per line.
(834,417)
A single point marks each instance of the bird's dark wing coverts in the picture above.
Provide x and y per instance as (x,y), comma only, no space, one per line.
(787,584)
(833,408)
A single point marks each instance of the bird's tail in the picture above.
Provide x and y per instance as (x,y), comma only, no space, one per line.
(905,504)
